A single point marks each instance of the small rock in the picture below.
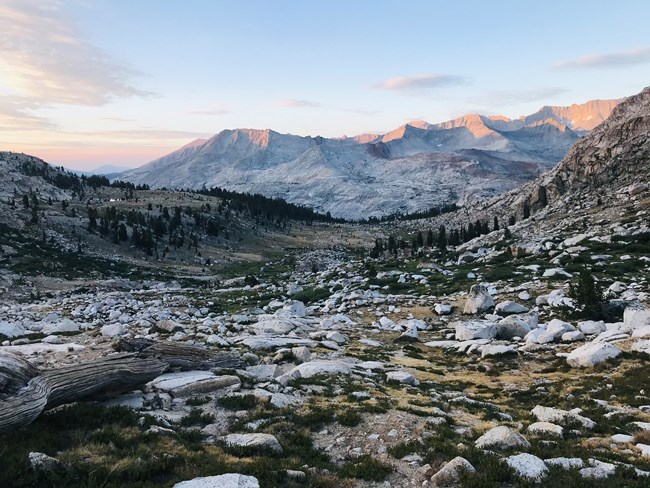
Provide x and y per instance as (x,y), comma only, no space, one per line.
(545,428)
(450,473)
(43,462)
(501,437)
(478,301)
(509,307)
(402,377)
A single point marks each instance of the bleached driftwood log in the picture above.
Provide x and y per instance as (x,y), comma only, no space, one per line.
(26,391)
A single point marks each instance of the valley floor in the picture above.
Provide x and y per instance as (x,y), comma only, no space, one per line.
(358,371)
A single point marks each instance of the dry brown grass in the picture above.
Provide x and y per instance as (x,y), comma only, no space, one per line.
(642,437)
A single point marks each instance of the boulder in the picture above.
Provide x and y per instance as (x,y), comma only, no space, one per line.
(61,326)
(449,474)
(591,354)
(516,326)
(295,309)
(402,377)
(475,329)
(322,367)
(636,316)
(263,442)
(496,350)
(598,470)
(336,337)
(43,462)
(11,329)
(546,428)
(294,289)
(562,417)
(187,383)
(591,327)
(229,480)
(302,354)
(112,330)
(501,438)
(478,301)
(410,334)
(509,307)
(168,326)
(528,466)
(552,272)
(642,332)
(442,308)
(576,335)
(565,462)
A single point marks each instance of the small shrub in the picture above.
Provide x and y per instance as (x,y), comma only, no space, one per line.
(196,417)
(349,418)
(195,402)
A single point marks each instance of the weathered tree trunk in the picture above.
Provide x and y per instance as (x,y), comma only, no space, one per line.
(180,356)
(26,392)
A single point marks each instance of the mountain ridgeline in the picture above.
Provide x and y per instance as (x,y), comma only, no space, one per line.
(415,167)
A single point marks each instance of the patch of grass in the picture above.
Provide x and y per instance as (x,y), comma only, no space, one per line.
(238,402)
(366,468)
(311,295)
(349,418)
(402,449)
(197,401)
(196,417)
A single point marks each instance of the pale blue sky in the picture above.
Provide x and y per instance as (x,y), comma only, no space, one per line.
(88,82)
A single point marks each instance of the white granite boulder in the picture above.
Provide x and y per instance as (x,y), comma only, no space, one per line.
(229,480)
(478,301)
(591,354)
(528,466)
(500,438)
(475,329)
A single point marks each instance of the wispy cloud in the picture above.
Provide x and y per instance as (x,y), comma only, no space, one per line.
(419,83)
(117,119)
(211,112)
(46,59)
(141,134)
(607,60)
(296,103)
(359,111)
(510,97)
(15,115)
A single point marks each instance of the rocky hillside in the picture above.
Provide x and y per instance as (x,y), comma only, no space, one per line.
(612,160)
(460,161)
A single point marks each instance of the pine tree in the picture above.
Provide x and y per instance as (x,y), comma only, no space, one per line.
(588,295)
(442,239)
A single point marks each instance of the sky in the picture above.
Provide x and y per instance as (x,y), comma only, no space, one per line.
(86,83)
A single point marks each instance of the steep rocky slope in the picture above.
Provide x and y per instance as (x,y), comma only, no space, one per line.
(412,168)
(600,167)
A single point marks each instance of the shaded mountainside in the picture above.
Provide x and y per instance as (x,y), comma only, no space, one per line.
(605,163)
(414,167)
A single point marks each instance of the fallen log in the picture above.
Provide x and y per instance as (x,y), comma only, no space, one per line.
(180,356)
(26,392)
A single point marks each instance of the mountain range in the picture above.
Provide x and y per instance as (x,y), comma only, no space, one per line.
(412,168)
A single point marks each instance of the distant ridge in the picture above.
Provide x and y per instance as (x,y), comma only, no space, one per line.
(414,167)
